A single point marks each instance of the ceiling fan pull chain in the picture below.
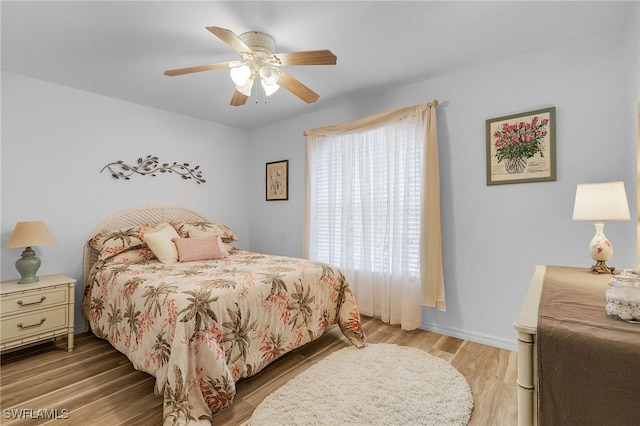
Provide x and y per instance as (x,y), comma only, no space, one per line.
(256,86)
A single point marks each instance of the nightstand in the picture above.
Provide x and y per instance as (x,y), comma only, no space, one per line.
(37,311)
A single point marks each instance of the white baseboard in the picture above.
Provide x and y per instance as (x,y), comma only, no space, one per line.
(506,344)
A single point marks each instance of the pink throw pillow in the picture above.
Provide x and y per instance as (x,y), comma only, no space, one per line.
(199,248)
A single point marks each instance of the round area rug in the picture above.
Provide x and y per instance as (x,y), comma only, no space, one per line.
(381,384)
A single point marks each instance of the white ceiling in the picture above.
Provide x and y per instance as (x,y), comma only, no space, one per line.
(120,49)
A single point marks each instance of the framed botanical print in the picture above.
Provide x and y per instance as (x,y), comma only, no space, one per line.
(521,147)
(277,180)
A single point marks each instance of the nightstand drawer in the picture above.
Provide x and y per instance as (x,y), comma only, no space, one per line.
(33,299)
(34,323)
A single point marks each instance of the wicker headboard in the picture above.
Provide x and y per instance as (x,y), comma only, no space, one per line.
(134,217)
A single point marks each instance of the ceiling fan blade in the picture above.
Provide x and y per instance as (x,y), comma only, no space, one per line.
(297,88)
(238,99)
(311,57)
(190,70)
(231,39)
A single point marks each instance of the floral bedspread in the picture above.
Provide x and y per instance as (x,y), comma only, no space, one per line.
(200,326)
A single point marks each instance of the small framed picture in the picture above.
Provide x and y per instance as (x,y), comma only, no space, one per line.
(278,180)
(522,147)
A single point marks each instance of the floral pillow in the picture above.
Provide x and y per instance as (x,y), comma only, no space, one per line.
(203,229)
(112,243)
(136,255)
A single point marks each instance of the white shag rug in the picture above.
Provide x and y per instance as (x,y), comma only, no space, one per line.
(381,384)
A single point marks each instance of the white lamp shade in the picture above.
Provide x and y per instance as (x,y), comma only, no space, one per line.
(240,75)
(269,89)
(30,234)
(601,201)
(269,75)
(245,89)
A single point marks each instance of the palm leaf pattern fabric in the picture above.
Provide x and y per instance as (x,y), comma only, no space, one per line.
(199,327)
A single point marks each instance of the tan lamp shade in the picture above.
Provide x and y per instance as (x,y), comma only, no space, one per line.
(30,234)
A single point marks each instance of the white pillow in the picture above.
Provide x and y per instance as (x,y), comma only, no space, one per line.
(161,244)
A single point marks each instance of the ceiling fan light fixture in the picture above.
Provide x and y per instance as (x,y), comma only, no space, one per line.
(269,75)
(269,89)
(240,75)
(245,89)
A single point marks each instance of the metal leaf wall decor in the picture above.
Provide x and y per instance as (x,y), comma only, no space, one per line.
(150,166)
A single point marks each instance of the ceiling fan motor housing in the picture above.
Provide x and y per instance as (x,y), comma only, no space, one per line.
(259,42)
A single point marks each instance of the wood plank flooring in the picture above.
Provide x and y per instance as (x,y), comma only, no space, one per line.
(96,385)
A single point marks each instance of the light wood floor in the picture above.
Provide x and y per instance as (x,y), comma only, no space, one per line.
(98,385)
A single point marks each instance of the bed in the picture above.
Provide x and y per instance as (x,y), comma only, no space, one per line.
(166,287)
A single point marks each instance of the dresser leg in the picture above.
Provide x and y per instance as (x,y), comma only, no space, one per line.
(526,379)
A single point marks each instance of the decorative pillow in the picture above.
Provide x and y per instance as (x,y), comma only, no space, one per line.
(202,248)
(224,247)
(112,243)
(161,244)
(136,255)
(202,229)
(196,233)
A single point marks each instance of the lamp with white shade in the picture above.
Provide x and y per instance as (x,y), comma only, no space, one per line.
(29,234)
(600,202)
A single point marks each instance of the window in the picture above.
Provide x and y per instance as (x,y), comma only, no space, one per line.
(366,195)
(367,200)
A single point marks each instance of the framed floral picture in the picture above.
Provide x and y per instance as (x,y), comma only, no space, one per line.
(278,180)
(521,147)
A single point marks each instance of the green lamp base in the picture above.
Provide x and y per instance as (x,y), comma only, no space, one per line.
(27,266)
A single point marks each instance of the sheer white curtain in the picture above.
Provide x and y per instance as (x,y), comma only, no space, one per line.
(365,210)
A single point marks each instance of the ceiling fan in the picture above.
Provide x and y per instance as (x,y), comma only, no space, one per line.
(258,61)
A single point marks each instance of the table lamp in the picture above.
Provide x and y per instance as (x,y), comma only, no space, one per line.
(29,234)
(600,202)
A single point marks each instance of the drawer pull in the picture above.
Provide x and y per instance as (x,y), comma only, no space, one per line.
(24,327)
(21,303)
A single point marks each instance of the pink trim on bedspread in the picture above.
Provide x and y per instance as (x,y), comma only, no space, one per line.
(200,326)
